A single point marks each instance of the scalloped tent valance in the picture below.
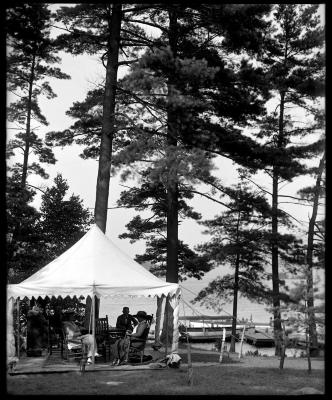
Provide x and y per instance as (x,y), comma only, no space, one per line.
(92,266)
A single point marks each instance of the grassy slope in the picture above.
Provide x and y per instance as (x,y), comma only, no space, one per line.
(251,376)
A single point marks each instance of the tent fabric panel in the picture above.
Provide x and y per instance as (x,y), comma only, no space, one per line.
(15,291)
(92,266)
(11,350)
(94,259)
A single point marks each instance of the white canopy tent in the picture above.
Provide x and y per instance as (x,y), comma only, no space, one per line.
(94,266)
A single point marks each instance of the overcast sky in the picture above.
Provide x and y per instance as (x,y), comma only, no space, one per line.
(85,72)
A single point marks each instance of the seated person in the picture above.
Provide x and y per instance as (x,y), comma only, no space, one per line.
(125,321)
(133,339)
(76,337)
(55,324)
(37,330)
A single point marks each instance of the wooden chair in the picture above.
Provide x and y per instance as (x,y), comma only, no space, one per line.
(102,326)
(72,352)
(77,353)
(56,341)
(103,338)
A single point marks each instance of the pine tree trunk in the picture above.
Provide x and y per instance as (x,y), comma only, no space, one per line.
(108,122)
(172,184)
(172,271)
(310,287)
(236,289)
(275,268)
(28,124)
(275,250)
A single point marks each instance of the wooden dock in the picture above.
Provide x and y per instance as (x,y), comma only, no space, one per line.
(258,338)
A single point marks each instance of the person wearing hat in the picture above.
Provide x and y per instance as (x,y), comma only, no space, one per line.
(140,329)
(133,339)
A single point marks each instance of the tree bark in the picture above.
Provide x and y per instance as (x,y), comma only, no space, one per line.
(172,269)
(28,124)
(172,273)
(236,289)
(309,261)
(275,250)
(108,122)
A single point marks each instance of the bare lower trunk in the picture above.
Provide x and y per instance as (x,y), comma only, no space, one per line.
(275,249)
(236,290)
(275,270)
(108,123)
(310,247)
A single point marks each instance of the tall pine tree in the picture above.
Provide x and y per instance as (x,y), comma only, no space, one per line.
(29,63)
(294,70)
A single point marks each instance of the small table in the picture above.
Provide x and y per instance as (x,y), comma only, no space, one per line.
(115,333)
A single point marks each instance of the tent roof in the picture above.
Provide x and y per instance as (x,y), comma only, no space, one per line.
(93,265)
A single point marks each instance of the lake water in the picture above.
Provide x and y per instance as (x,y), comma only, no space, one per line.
(113,307)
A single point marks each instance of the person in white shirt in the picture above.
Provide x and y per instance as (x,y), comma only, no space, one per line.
(75,338)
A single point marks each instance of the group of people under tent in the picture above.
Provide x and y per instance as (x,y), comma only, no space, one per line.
(135,327)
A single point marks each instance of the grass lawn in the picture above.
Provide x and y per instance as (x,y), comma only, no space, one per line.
(250,376)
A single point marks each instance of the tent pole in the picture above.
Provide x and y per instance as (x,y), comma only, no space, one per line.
(158,320)
(93,326)
(18,327)
(166,312)
(175,337)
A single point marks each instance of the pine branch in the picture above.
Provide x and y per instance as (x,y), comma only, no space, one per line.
(319,230)
(77,32)
(211,198)
(144,39)
(18,95)
(148,23)
(35,187)
(292,202)
(133,206)
(139,99)
(292,217)
(136,9)
(262,189)
(127,62)
(292,197)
